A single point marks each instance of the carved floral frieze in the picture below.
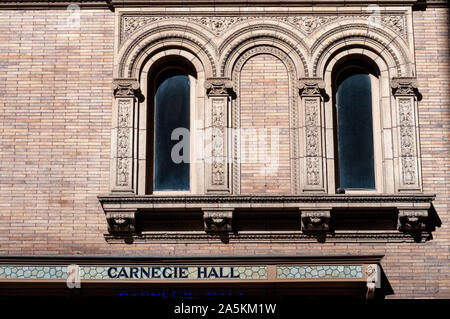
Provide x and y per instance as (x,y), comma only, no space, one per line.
(304,23)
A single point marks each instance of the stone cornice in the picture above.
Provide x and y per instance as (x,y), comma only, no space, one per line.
(188,259)
(263,199)
(112,4)
(54,4)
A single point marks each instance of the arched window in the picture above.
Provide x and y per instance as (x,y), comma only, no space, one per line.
(354,128)
(171,137)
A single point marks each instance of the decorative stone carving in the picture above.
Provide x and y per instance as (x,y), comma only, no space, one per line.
(312,92)
(219,91)
(315,220)
(123,143)
(404,86)
(311,86)
(412,220)
(121,222)
(372,274)
(218,86)
(125,87)
(405,92)
(125,93)
(218,220)
(304,23)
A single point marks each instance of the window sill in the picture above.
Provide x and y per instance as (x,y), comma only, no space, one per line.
(259,218)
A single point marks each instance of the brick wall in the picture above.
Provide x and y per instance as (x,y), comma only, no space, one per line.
(55,118)
(264,103)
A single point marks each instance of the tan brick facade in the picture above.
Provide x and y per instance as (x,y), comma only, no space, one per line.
(264,114)
(55,128)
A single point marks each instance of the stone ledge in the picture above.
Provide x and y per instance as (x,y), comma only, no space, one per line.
(112,4)
(316,213)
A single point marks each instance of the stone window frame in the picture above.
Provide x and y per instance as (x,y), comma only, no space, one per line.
(144,126)
(390,138)
(138,99)
(381,173)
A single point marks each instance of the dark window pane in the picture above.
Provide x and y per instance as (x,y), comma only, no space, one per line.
(172,108)
(355,132)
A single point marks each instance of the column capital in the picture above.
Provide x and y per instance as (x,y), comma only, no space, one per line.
(218,86)
(311,86)
(404,86)
(125,87)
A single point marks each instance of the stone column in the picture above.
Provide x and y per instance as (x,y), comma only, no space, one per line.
(407,130)
(312,99)
(125,99)
(218,166)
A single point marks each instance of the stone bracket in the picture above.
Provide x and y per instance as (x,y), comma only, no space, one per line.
(218,220)
(121,221)
(412,220)
(315,220)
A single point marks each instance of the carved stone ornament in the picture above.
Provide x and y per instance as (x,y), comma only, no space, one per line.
(125,87)
(218,86)
(218,220)
(123,142)
(315,220)
(311,86)
(404,86)
(305,23)
(121,222)
(372,280)
(412,220)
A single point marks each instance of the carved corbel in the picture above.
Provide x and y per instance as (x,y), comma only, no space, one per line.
(219,86)
(121,222)
(313,221)
(412,220)
(217,220)
(373,282)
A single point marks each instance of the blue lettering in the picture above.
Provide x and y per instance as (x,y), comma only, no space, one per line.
(233,275)
(165,275)
(110,274)
(122,272)
(201,272)
(154,272)
(213,272)
(145,272)
(183,272)
(134,272)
